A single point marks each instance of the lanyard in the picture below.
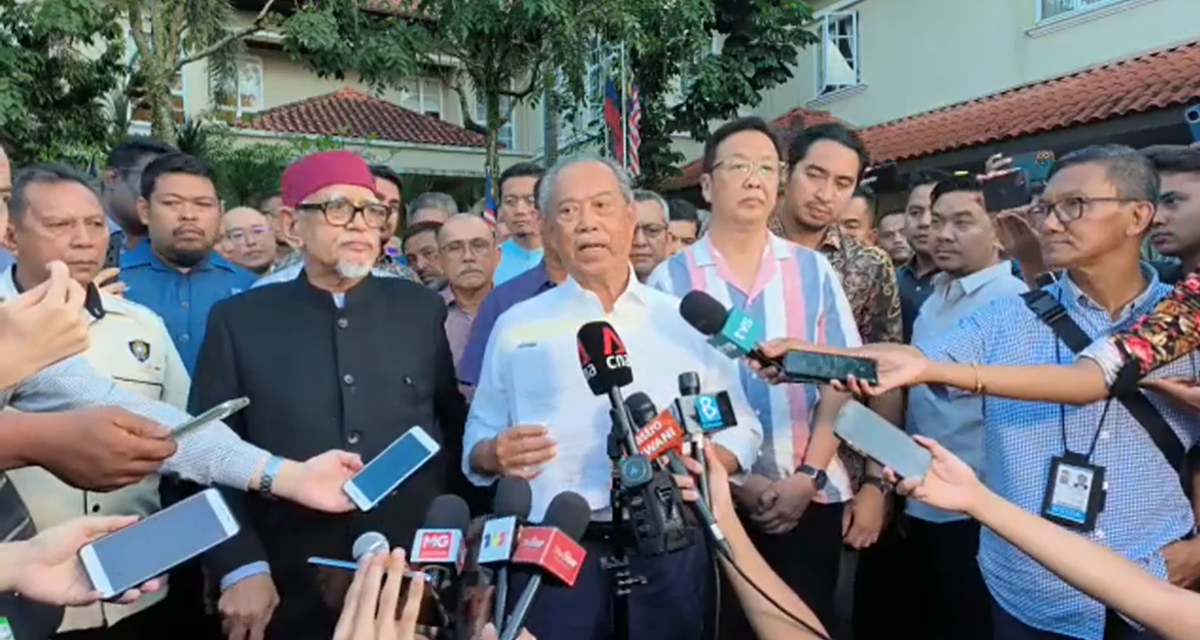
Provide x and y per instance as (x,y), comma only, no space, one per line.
(1062,409)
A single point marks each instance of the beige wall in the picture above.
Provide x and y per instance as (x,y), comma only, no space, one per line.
(919,55)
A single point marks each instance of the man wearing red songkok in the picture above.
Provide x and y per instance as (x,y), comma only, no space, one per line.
(334,356)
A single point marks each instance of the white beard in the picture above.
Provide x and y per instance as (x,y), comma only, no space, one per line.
(352,271)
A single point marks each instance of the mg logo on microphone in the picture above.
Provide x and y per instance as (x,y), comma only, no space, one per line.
(435,545)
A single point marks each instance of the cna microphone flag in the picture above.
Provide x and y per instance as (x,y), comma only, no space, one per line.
(489,208)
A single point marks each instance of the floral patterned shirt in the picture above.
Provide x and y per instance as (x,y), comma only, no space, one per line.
(1169,332)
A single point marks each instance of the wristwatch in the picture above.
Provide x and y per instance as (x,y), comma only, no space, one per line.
(819,477)
(270,472)
(884,486)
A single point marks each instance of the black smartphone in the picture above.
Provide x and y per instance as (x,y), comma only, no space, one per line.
(820,368)
(882,177)
(1010,190)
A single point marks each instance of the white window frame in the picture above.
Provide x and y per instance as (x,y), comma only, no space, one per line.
(507,136)
(821,61)
(1077,7)
(425,86)
(236,108)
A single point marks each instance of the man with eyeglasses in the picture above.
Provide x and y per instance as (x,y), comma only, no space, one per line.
(248,239)
(468,256)
(651,241)
(335,355)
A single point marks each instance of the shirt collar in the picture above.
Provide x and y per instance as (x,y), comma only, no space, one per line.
(1073,298)
(93,304)
(142,255)
(448,295)
(975,281)
(705,254)
(635,292)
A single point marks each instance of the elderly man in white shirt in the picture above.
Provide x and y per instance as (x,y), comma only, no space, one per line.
(534,416)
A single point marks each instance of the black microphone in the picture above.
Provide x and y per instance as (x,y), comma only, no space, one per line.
(642,408)
(731,331)
(552,550)
(438,547)
(511,509)
(605,363)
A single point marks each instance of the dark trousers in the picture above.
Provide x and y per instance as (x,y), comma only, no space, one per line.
(951,600)
(806,558)
(882,602)
(155,622)
(1006,627)
(670,606)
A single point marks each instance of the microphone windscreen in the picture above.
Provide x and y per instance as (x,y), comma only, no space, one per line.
(641,409)
(603,357)
(448,512)
(370,543)
(569,513)
(703,312)
(513,497)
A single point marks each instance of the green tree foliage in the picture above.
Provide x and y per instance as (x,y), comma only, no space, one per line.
(760,41)
(53,97)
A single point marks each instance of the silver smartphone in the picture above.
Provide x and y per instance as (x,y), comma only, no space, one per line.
(874,437)
(219,412)
(124,559)
(382,475)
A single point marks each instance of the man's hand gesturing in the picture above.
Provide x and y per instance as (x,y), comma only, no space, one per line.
(521,450)
(42,326)
(101,448)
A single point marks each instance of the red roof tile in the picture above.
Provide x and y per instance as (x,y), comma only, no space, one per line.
(784,126)
(1161,79)
(1157,80)
(350,113)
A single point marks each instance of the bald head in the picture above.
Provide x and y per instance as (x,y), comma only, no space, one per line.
(463,223)
(248,239)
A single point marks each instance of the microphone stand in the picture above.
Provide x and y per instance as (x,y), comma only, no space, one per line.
(621,580)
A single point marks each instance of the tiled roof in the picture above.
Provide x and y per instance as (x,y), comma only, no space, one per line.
(350,113)
(1161,79)
(784,126)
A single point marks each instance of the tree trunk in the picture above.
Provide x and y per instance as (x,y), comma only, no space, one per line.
(162,110)
(550,114)
(495,120)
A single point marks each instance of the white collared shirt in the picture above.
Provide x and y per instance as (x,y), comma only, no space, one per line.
(531,375)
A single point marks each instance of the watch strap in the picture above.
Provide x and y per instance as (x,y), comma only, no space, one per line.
(270,472)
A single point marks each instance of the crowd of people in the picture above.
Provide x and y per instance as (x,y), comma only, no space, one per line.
(348,310)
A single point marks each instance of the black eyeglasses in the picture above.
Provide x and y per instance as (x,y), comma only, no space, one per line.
(1067,210)
(340,213)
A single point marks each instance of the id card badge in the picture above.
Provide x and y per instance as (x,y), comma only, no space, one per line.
(1074,493)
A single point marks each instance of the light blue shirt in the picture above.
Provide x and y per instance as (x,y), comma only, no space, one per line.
(531,375)
(1145,508)
(515,260)
(182,299)
(955,421)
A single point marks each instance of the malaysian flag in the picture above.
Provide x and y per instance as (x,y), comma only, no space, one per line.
(612,118)
(489,208)
(634,135)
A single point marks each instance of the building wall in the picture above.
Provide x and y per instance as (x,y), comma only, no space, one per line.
(919,55)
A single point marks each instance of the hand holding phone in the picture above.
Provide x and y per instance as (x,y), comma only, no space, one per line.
(1008,190)
(101,448)
(124,559)
(871,435)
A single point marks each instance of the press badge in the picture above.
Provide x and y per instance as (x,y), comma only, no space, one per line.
(1074,493)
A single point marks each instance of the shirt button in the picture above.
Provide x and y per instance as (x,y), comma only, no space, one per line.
(352,438)
(348,379)
(1099,534)
(1104,435)
(343,323)
(184,338)
(185,304)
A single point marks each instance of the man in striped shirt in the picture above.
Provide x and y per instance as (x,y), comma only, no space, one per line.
(796,491)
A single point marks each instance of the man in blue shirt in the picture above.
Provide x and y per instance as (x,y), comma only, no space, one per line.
(175,271)
(518,211)
(120,189)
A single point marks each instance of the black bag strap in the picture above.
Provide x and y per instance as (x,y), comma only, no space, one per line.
(1051,312)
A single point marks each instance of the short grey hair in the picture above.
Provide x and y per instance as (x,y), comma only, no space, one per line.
(1130,171)
(646,195)
(549,182)
(432,200)
(49,174)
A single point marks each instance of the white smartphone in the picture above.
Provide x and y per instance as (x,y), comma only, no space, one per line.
(219,412)
(871,435)
(382,475)
(149,548)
